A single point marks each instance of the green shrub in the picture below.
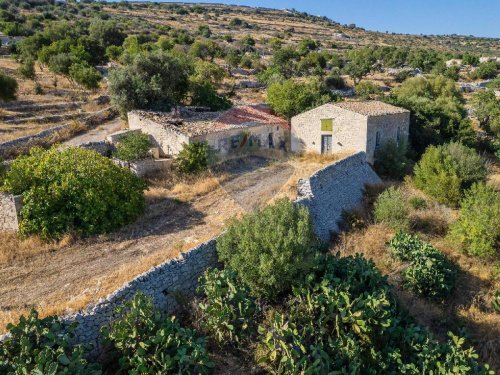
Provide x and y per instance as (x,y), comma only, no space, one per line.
(195,157)
(73,190)
(43,346)
(478,227)
(271,249)
(406,247)
(366,89)
(8,88)
(343,320)
(133,146)
(444,172)
(391,160)
(417,203)
(149,344)
(495,302)
(391,209)
(227,310)
(430,273)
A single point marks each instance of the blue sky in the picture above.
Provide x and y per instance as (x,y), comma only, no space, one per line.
(466,17)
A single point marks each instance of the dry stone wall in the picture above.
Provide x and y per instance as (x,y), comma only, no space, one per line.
(162,283)
(336,188)
(10,205)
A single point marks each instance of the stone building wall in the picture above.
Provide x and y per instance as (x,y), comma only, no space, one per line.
(348,130)
(168,141)
(222,141)
(336,188)
(387,126)
(10,205)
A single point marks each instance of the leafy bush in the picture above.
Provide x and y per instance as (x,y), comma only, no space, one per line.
(271,249)
(8,88)
(437,111)
(485,70)
(43,346)
(406,247)
(73,190)
(133,146)
(430,273)
(366,89)
(391,209)
(478,227)
(343,320)
(150,344)
(417,203)
(195,157)
(391,160)
(444,172)
(27,69)
(288,98)
(154,80)
(205,94)
(227,310)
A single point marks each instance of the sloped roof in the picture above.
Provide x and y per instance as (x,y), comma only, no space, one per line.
(370,107)
(193,123)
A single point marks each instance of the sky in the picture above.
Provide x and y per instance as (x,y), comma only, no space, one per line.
(464,17)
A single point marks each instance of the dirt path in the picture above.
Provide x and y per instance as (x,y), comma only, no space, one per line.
(70,278)
(97,134)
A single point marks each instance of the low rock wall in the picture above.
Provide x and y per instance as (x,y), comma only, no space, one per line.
(162,283)
(336,188)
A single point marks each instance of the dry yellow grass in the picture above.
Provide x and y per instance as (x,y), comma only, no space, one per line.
(187,191)
(14,248)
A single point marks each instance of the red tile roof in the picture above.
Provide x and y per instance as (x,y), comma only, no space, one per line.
(199,123)
(247,114)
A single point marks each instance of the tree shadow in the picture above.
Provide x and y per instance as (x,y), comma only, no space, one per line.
(166,216)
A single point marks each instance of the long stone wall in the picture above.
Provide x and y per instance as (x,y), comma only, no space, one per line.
(162,283)
(10,205)
(336,188)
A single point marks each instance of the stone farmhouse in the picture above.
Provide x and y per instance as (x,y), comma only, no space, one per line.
(237,128)
(349,126)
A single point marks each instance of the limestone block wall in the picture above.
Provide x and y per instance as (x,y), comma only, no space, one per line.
(333,189)
(222,141)
(10,205)
(162,283)
(387,125)
(348,130)
(146,166)
(168,141)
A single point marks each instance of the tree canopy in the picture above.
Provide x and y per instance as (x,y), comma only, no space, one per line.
(437,111)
